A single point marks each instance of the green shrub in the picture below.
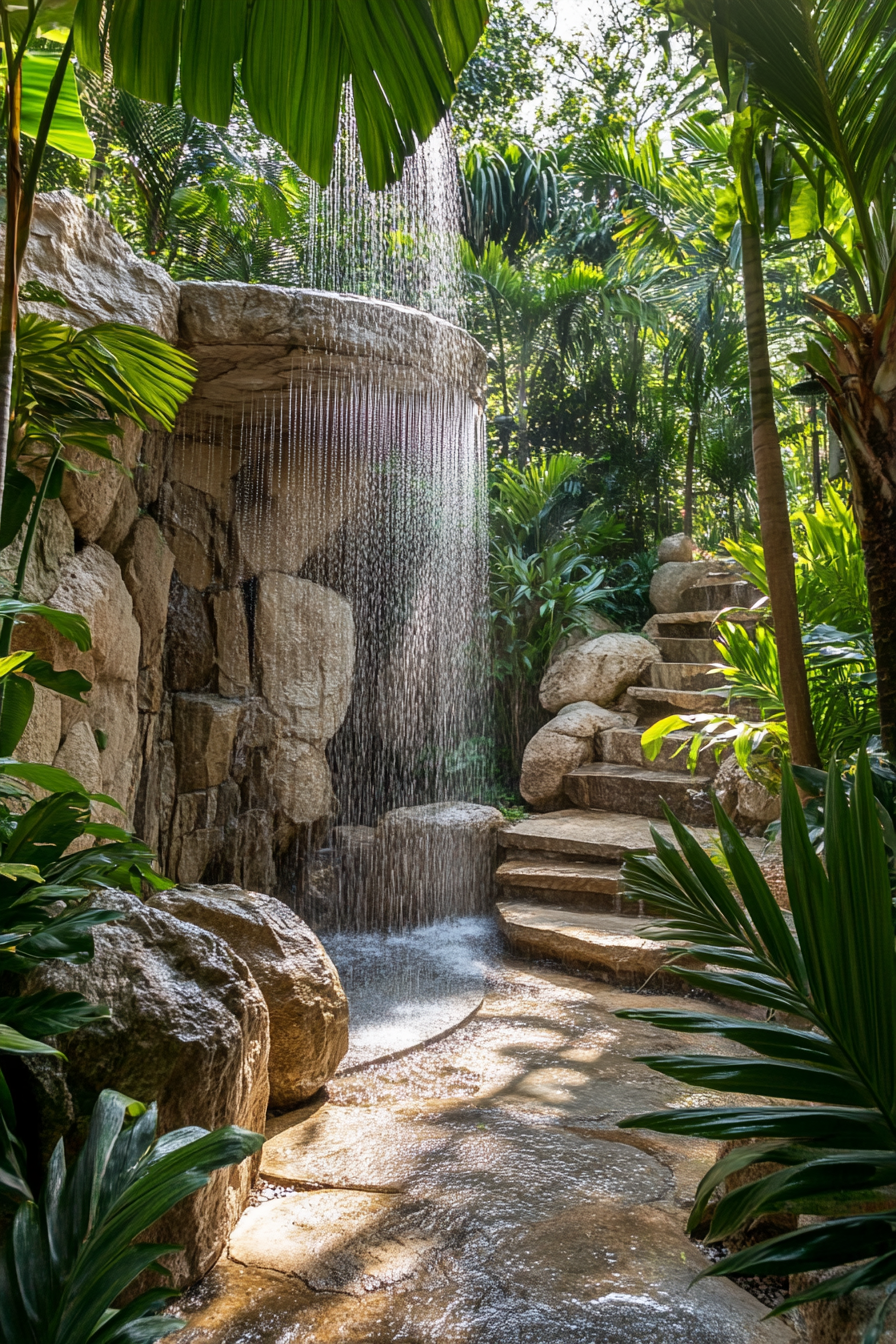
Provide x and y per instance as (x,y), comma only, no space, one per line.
(69,1256)
(835,970)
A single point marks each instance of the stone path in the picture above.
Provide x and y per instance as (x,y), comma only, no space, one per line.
(559,874)
(477,1192)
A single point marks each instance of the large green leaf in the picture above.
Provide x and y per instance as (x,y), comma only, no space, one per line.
(18,702)
(122,1182)
(402,58)
(68,130)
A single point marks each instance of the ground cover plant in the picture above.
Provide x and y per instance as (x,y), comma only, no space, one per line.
(834,970)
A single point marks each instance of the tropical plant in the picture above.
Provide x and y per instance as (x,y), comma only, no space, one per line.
(72,392)
(43,915)
(825,68)
(546,578)
(542,308)
(831,587)
(835,970)
(403,60)
(842,688)
(208,204)
(511,197)
(70,1255)
(813,787)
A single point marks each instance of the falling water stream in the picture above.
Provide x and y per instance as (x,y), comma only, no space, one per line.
(365,474)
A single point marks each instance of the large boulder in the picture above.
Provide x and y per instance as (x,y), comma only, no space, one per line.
(595,624)
(306,1003)
(189,1030)
(671,581)
(76,250)
(561,746)
(599,670)
(749,804)
(678,547)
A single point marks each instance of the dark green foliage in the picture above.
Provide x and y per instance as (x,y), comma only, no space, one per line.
(71,1254)
(836,970)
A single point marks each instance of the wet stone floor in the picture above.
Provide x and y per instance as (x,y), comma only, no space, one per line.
(477,1192)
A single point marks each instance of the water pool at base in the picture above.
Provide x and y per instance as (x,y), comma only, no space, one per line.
(406,988)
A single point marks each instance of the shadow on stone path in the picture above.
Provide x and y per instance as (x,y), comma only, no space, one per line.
(477,1192)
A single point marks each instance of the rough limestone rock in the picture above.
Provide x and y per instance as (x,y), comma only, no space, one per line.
(750,805)
(302,782)
(91,584)
(598,670)
(597,624)
(77,251)
(559,747)
(54,540)
(146,564)
(189,1029)
(89,496)
(189,646)
(440,851)
(305,649)
(679,547)
(671,580)
(40,740)
(80,756)
(232,642)
(306,1003)
(256,337)
(187,519)
(204,733)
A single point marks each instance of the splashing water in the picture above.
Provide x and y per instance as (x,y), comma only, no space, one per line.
(401,243)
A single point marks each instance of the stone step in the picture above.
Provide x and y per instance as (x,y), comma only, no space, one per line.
(652,703)
(641,791)
(681,625)
(609,837)
(622,746)
(688,650)
(580,885)
(607,946)
(685,676)
(719,592)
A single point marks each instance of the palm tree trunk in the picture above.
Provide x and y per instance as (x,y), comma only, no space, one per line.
(9,308)
(774,512)
(877,525)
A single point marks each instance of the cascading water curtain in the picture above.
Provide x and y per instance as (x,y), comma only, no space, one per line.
(376,491)
(401,243)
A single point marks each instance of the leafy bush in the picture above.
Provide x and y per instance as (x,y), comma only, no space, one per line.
(68,1257)
(546,580)
(836,970)
(830,568)
(842,691)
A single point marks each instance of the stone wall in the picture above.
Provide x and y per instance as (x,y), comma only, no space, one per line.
(220,670)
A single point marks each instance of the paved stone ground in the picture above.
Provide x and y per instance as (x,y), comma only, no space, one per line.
(477,1192)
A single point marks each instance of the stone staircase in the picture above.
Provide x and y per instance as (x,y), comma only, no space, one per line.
(559,872)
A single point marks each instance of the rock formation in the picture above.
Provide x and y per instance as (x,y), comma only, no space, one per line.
(307,1006)
(561,746)
(221,672)
(598,670)
(189,1029)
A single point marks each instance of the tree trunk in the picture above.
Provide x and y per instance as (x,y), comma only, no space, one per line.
(877,523)
(689,471)
(10,305)
(774,512)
